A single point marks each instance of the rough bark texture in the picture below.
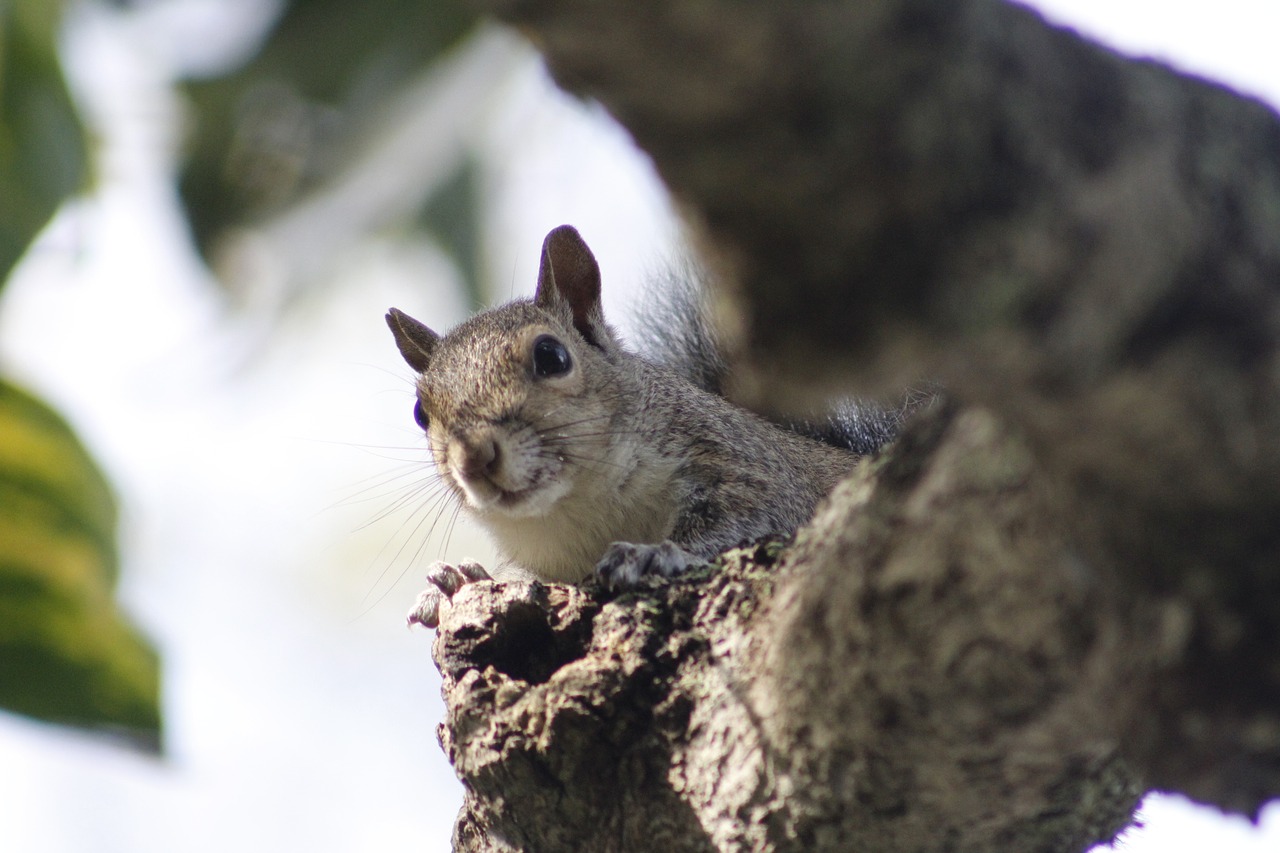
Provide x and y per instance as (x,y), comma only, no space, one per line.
(1057,590)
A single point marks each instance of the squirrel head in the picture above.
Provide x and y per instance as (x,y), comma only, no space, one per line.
(517,401)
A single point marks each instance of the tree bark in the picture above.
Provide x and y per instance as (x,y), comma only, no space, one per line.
(1059,588)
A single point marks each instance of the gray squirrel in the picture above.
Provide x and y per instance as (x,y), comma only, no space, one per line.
(575,453)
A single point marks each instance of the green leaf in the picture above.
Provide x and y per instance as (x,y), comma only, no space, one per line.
(67,654)
(279,126)
(42,144)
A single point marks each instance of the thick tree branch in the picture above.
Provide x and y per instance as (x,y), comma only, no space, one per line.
(1071,571)
(896,684)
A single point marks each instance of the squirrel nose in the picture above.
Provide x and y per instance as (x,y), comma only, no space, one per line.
(475,456)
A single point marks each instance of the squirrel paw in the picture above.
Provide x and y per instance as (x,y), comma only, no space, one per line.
(445,579)
(624,565)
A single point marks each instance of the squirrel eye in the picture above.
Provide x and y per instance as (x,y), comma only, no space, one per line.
(420,414)
(550,357)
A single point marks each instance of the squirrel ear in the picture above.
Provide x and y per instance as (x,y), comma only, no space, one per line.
(414,340)
(569,275)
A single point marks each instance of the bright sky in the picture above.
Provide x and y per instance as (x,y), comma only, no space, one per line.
(254,480)
(1232,41)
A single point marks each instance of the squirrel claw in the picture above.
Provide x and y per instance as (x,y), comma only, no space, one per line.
(624,565)
(445,579)
(426,610)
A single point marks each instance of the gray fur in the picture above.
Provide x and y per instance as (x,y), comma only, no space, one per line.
(616,449)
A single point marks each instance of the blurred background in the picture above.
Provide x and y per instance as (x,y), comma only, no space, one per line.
(199,234)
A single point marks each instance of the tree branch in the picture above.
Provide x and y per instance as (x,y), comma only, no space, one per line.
(895,684)
(1068,572)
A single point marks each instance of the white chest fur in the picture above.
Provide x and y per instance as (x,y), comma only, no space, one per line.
(624,499)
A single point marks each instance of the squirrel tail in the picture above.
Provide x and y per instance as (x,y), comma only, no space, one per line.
(675,331)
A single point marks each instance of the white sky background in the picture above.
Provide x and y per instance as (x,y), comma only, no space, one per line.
(294,720)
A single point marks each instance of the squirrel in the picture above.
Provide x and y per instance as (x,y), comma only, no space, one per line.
(575,453)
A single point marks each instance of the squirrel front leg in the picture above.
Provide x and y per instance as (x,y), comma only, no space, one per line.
(625,564)
(703,528)
(445,579)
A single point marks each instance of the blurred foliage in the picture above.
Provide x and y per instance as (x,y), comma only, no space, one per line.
(66,653)
(42,144)
(261,138)
(276,128)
